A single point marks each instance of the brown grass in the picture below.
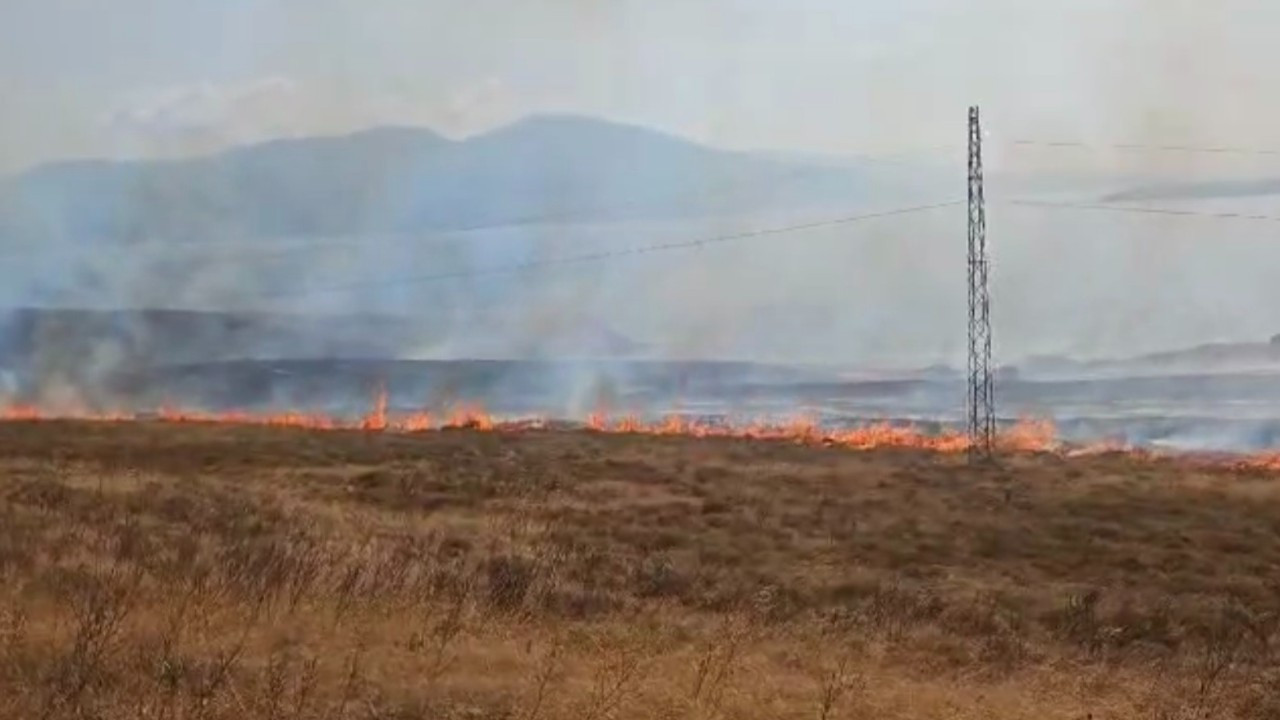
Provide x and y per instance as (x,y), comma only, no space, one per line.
(160,571)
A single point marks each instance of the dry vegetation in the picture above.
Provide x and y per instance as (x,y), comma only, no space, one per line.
(160,571)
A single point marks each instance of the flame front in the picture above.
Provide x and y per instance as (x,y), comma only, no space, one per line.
(1030,436)
(376,419)
(1025,436)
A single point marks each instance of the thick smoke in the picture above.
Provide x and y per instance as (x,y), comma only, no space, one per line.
(381,247)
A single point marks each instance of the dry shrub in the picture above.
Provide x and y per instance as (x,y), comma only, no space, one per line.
(193,575)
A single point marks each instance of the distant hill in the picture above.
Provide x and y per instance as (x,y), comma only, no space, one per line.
(1211,358)
(392,180)
(1199,190)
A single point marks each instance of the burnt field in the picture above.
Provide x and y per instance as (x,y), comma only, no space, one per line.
(1203,412)
(192,571)
(77,362)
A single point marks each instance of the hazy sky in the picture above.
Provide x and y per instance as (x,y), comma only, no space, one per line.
(156,77)
(86,77)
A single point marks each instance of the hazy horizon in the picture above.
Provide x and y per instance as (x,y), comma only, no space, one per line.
(147,77)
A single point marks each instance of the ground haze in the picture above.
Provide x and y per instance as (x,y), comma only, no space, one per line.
(191,571)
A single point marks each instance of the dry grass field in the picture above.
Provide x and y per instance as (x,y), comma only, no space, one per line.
(190,571)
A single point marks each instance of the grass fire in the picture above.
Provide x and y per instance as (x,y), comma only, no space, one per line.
(511,360)
(1024,436)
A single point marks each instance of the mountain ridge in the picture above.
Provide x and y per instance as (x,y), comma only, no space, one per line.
(396,179)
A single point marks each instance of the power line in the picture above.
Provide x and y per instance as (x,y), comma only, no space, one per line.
(441,236)
(1143,210)
(536,265)
(1140,147)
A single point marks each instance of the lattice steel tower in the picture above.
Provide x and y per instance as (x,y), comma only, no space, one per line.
(981,392)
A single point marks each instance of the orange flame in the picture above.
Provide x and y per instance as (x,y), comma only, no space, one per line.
(469,417)
(376,419)
(1261,462)
(22,413)
(417,422)
(1029,435)
(1026,436)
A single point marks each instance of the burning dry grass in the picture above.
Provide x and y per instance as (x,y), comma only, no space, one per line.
(1025,436)
(209,571)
